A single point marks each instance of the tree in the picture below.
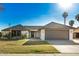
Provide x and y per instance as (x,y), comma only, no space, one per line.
(77,17)
(65,14)
(71,22)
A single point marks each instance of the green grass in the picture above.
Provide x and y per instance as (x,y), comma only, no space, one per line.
(26,47)
(36,43)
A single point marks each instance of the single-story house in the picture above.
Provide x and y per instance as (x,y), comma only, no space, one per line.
(51,31)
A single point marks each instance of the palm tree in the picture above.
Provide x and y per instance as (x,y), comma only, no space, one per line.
(71,22)
(77,17)
(65,14)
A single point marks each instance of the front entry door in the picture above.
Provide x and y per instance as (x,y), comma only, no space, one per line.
(32,34)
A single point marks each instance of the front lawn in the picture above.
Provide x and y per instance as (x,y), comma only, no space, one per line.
(26,47)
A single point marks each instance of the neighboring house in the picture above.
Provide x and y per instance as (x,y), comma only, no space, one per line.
(51,31)
(76,33)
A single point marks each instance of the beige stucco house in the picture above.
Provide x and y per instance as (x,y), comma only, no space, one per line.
(76,33)
(51,31)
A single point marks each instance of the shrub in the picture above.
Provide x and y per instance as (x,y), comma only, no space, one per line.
(24,36)
(7,36)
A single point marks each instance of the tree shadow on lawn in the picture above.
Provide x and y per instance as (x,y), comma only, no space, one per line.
(36,43)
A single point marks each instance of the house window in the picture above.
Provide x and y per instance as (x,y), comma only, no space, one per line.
(77,35)
(16,33)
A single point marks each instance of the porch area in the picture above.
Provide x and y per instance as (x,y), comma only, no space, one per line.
(12,34)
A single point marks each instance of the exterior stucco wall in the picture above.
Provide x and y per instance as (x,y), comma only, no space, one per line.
(33,29)
(42,34)
(37,34)
(71,34)
(25,33)
(76,30)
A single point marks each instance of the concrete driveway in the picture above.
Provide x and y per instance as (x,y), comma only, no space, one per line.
(65,46)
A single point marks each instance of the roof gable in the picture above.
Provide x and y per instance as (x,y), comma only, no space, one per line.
(54,25)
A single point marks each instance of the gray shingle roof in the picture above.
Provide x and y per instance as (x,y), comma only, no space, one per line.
(33,27)
(17,27)
(51,25)
(20,27)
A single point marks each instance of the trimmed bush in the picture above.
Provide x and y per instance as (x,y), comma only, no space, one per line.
(24,36)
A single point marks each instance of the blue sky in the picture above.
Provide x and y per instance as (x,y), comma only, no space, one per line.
(35,14)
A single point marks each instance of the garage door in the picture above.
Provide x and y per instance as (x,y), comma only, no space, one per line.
(56,34)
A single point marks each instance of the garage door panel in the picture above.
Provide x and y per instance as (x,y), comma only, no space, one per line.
(56,34)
